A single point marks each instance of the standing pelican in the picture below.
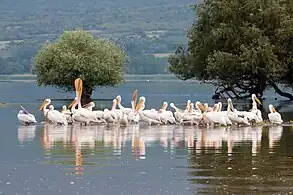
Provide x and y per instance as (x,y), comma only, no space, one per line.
(56,117)
(133,117)
(150,117)
(99,113)
(81,115)
(178,114)
(25,117)
(111,116)
(214,117)
(44,107)
(166,116)
(218,108)
(233,115)
(122,108)
(254,114)
(254,109)
(274,116)
(67,113)
(187,106)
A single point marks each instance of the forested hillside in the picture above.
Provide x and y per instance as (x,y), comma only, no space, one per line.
(147,29)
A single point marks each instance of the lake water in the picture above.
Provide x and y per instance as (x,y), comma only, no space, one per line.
(140,159)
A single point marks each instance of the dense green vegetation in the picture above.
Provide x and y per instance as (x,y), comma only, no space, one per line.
(142,28)
(243,44)
(78,54)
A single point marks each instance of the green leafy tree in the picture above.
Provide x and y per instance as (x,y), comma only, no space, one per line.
(246,45)
(98,62)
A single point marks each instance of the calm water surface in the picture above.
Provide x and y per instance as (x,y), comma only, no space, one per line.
(138,159)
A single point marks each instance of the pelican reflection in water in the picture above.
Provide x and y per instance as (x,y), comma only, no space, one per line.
(78,145)
(275,133)
(26,133)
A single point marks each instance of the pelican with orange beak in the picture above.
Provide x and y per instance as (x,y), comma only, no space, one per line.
(43,107)
(274,116)
(148,117)
(81,114)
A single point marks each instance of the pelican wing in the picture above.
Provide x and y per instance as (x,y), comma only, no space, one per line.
(56,117)
(275,118)
(26,118)
(152,115)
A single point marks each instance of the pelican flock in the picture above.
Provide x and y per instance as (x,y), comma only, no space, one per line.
(194,113)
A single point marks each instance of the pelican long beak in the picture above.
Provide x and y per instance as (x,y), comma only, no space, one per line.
(164,106)
(43,105)
(140,103)
(201,107)
(118,100)
(206,106)
(78,87)
(134,97)
(258,101)
(71,104)
(190,108)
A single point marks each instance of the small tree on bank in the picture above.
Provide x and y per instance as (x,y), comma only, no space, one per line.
(77,54)
(243,44)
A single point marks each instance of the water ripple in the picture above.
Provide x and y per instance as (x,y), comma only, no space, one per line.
(248,160)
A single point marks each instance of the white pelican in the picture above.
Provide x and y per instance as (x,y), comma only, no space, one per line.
(81,115)
(123,120)
(44,107)
(254,114)
(178,114)
(274,116)
(152,113)
(193,116)
(207,108)
(189,116)
(25,117)
(254,108)
(166,116)
(133,117)
(164,109)
(187,107)
(215,117)
(234,117)
(218,108)
(150,117)
(67,113)
(111,116)
(119,113)
(99,113)
(56,117)
(123,109)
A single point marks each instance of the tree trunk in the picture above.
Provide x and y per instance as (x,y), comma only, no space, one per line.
(86,95)
(279,91)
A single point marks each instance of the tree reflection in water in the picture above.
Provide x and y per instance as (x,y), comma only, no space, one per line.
(242,161)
